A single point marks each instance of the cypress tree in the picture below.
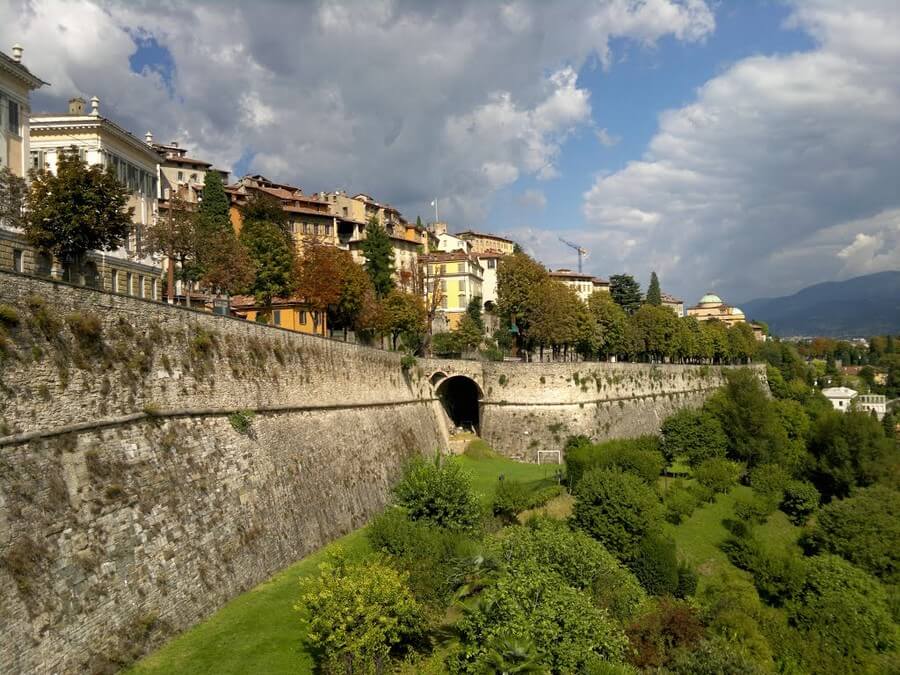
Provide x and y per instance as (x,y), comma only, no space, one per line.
(654,295)
(625,291)
(379,255)
(213,211)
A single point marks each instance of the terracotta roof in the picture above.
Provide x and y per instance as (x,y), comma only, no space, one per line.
(301,209)
(670,298)
(445,256)
(186,160)
(569,274)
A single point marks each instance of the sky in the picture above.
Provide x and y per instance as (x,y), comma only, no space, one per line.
(744,147)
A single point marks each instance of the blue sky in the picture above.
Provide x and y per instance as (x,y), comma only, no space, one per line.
(751,147)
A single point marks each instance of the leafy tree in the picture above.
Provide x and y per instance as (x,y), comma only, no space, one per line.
(174,235)
(226,265)
(654,294)
(668,626)
(626,292)
(695,434)
(213,214)
(321,276)
(468,334)
(13,193)
(800,501)
(77,209)
(517,274)
(716,656)
(552,315)
(403,314)
(616,508)
(843,606)
(440,494)
(273,259)
(536,606)
(379,255)
(654,329)
(583,562)
(611,323)
(265,208)
(358,615)
(357,305)
(863,529)
(473,311)
(718,474)
(656,565)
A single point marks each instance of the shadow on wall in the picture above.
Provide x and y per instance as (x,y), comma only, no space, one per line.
(460,396)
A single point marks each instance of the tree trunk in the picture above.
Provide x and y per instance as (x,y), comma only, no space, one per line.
(170,280)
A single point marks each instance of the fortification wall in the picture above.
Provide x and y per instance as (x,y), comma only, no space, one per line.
(130,507)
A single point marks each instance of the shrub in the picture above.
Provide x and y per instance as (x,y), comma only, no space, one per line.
(9,317)
(87,329)
(407,362)
(581,561)
(753,509)
(669,626)
(510,498)
(439,493)
(536,606)
(696,434)
(43,318)
(801,499)
(701,493)
(428,554)
(616,508)
(863,529)
(656,565)
(769,480)
(640,456)
(241,421)
(445,344)
(716,656)
(719,475)
(680,503)
(357,614)
(544,495)
(687,580)
(845,606)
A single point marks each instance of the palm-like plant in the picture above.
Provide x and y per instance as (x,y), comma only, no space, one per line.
(511,656)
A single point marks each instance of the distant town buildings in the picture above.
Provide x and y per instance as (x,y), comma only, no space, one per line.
(452,280)
(583,284)
(482,242)
(845,398)
(180,176)
(711,307)
(675,304)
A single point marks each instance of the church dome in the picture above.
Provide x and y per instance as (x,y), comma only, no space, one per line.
(736,311)
(710,299)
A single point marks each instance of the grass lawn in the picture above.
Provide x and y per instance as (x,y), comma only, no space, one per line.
(259,631)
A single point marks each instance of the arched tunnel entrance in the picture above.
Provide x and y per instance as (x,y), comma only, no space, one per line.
(460,396)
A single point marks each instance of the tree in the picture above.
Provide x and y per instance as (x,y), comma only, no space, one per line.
(626,292)
(551,316)
(695,434)
(468,334)
(227,268)
(76,210)
(611,321)
(654,294)
(473,311)
(619,509)
(357,614)
(266,208)
(357,306)
(173,235)
(13,193)
(272,253)
(517,275)
(379,255)
(321,276)
(439,493)
(213,213)
(403,314)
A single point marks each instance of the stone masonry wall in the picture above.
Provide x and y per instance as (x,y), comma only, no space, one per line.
(152,510)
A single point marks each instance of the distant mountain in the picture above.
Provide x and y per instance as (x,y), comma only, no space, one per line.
(868,305)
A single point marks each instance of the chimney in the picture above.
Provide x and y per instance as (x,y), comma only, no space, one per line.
(149,137)
(95,106)
(174,144)
(76,106)
(17,53)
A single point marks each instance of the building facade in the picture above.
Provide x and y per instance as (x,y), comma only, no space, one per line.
(711,307)
(288,313)
(179,175)
(16,85)
(582,284)
(452,280)
(482,242)
(673,303)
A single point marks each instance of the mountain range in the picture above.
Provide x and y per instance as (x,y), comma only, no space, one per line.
(858,307)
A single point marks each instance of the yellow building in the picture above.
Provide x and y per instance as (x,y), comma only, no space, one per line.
(452,279)
(308,217)
(483,242)
(711,307)
(288,313)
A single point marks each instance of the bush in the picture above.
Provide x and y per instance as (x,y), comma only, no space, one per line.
(864,529)
(429,555)
(680,503)
(407,362)
(769,481)
(656,565)
(669,626)
(845,606)
(616,508)
(510,498)
(687,580)
(87,329)
(716,656)
(242,421)
(640,456)
(581,561)
(701,493)
(719,475)
(752,509)
(445,345)
(9,317)
(695,434)
(439,493)
(537,607)
(358,615)
(801,499)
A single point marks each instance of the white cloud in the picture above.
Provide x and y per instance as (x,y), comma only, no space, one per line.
(533,199)
(403,100)
(606,139)
(781,173)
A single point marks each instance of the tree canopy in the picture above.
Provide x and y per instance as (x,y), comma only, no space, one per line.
(654,294)
(379,255)
(626,292)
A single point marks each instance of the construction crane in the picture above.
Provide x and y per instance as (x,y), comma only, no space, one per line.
(581,250)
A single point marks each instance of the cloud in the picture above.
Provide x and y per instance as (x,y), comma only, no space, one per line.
(781,173)
(606,139)
(533,200)
(405,100)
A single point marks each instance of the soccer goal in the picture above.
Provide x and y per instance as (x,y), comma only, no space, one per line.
(552,457)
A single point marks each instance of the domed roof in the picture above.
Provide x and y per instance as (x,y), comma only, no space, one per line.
(710,299)
(737,311)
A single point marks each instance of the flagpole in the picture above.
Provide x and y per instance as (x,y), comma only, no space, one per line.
(436,219)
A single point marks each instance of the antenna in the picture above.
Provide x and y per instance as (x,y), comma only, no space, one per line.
(581,250)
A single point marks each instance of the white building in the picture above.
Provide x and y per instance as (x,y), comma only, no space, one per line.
(844,399)
(869,403)
(840,397)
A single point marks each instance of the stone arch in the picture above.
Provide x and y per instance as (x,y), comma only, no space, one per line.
(461,396)
(436,377)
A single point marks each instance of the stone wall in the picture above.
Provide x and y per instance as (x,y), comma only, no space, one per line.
(130,505)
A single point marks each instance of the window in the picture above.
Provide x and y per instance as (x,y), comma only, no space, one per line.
(141,286)
(43,265)
(328,229)
(306,228)
(155,289)
(18,260)
(462,285)
(114,281)
(37,159)
(461,300)
(346,213)
(492,263)
(194,177)
(444,302)
(277,317)
(181,175)
(12,120)
(128,280)
(302,316)
(443,269)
